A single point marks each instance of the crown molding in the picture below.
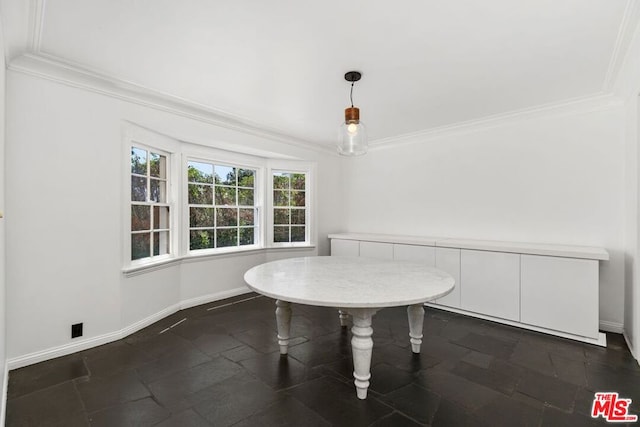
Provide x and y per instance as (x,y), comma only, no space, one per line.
(54,69)
(597,102)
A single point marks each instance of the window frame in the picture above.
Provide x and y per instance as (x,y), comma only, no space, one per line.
(159,144)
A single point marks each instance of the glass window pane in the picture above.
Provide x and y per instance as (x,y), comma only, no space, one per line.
(245,197)
(160,217)
(201,239)
(227,237)
(298,181)
(140,218)
(246,216)
(280,198)
(158,165)
(160,243)
(297,198)
(225,196)
(281,216)
(200,172)
(140,245)
(246,177)
(201,217)
(225,175)
(297,234)
(298,216)
(138,189)
(280,234)
(227,217)
(247,236)
(200,194)
(281,181)
(158,191)
(138,161)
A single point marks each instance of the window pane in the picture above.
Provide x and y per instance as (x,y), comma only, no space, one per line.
(200,172)
(140,245)
(227,217)
(200,194)
(298,181)
(281,181)
(138,161)
(227,237)
(246,216)
(201,239)
(298,216)
(280,234)
(140,218)
(247,236)
(280,198)
(160,243)
(138,189)
(297,198)
(225,175)
(245,197)
(297,234)
(281,216)
(201,217)
(160,217)
(158,165)
(246,177)
(225,196)
(158,191)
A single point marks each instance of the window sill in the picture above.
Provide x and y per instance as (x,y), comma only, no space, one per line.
(165,263)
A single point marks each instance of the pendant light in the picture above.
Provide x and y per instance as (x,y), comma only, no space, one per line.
(353,136)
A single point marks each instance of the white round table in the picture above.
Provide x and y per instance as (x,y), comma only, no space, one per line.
(358,287)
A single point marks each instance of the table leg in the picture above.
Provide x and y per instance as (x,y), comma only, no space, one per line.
(361,346)
(283,318)
(416,319)
(344,318)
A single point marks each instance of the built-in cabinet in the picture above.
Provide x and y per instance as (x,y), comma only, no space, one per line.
(548,288)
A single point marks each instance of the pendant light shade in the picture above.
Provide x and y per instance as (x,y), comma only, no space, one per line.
(353,135)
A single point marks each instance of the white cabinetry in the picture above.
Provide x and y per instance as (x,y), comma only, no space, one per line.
(490,283)
(547,288)
(345,247)
(560,294)
(376,250)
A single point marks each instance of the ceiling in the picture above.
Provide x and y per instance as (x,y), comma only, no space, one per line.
(279,64)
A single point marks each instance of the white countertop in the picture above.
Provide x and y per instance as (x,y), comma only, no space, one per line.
(567,251)
(349,282)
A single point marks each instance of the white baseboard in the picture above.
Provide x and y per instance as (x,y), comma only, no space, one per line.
(615,327)
(631,349)
(63,350)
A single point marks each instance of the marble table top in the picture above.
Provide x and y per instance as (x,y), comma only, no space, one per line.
(356,282)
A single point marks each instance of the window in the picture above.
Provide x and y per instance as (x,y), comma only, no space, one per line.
(150,210)
(222,205)
(290,213)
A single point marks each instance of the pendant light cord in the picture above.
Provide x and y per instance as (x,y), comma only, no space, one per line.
(351,94)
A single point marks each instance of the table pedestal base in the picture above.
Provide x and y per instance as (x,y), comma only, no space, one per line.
(361,341)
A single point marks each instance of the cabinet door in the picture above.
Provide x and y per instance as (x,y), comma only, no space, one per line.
(448,260)
(413,253)
(345,247)
(490,283)
(376,250)
(560,294)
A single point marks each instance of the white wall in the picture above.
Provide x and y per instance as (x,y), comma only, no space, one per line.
(558,179)
(64,230)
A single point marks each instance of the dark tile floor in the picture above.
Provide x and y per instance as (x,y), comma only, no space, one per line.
(221,367)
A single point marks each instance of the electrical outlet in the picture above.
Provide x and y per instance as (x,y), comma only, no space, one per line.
(76,330)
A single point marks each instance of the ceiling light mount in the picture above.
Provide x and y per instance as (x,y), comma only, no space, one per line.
(353,137)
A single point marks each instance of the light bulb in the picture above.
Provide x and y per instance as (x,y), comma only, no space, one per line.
(352,128)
